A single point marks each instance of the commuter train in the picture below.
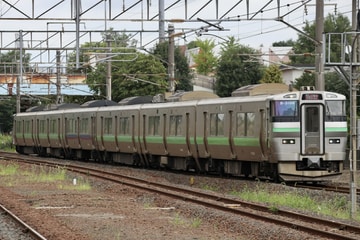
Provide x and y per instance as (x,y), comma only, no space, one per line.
(293,136)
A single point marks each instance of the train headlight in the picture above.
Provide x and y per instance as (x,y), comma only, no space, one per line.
(288,141)
(334,141)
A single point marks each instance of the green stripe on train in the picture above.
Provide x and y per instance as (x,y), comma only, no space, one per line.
(245,141)
(286,129)
(336,129)
(176,140)
(328,129)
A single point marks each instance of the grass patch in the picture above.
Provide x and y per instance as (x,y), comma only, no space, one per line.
(14,175)
(178,220)
(6,143)
(81,185)
(8,169)
(210,188)
(337,206)
(45,174)
(196,222)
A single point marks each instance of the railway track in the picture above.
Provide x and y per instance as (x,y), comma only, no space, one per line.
(328,188)
(19,230)
(309,224)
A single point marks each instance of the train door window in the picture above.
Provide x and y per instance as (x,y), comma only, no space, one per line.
(76,127)
(18,126)
(124,126)
(107,125)
(84,126)
(175,125)
(240,124)
(53,126)
(312,121)
(70,125)
(250,124)
(153,125)
(27,126)
(42,126)
(217,124)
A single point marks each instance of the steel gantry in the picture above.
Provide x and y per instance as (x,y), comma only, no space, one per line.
(52,30)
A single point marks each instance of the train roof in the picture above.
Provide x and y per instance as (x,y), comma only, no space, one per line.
(136,100)
(98,103)
(51,107)
(261,89)
(299,94)
(188,96)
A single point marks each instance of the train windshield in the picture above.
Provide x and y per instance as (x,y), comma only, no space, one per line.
(335,110)
(285,111)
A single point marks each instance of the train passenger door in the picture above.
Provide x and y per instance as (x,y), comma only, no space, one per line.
(312,133)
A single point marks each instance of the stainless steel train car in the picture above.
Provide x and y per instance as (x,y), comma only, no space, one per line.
(294,136)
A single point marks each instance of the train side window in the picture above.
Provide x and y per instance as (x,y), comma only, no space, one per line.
(153,126)
(217,124)
(175,125)
(124,126)
(108,126)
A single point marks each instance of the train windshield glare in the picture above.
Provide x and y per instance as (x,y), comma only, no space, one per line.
(285,108)
(335,108)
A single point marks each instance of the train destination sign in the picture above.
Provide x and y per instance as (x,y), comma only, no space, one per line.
(312,96)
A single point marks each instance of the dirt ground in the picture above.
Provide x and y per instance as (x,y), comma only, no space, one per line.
(61,210)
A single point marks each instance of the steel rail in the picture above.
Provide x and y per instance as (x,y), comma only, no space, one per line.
(27,228)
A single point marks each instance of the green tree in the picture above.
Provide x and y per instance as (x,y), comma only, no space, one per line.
(182,70)
(133,73)
(143,75)
(8,106)
(332,82)
(120,41)
(7,110)
(236,68)
(287,43)
(332,23)
(306,79)
(205,60)
(272,74)
(9,61)
(305,47)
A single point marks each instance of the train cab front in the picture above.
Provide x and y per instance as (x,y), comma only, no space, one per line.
(323,130)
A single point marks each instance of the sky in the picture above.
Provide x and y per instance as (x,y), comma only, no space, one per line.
(261,30)
(258,30)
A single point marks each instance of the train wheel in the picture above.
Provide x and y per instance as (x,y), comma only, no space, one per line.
(246,169)
(108,157)
(220,168)
(19,149)
(136,160)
